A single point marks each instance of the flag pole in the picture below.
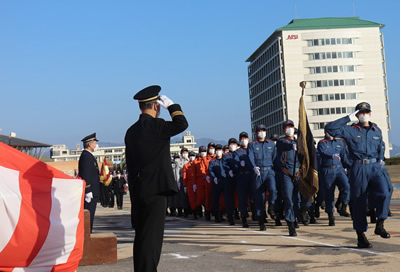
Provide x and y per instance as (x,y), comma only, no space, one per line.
(303,86)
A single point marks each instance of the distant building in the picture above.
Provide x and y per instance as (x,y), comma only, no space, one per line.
(115,154)
(341,59)
(32,148)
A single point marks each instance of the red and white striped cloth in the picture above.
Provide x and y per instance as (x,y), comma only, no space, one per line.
(41,215)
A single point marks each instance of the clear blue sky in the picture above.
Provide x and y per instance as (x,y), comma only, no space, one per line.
(70,68)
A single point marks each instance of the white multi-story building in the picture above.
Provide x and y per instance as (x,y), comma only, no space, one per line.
(114,154)
(341,59)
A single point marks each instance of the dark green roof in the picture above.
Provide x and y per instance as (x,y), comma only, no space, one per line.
(328,22)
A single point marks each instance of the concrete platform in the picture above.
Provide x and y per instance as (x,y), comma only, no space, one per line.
(197,245)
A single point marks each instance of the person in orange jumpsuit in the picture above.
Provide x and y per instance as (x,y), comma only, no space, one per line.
(208,184)
(189,182)
(201,172)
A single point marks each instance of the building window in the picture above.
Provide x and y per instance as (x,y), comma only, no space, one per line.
(334,82)
(330,111)
(330,41)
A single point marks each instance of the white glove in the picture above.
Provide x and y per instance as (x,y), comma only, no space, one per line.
(352,116)
(257,170)
(208,179)
(215,180)
(194,187)
(382,162)
(242,163)
(231,173)
(295,147)
(165,102)
(336,157)
(88,197)
(185,189)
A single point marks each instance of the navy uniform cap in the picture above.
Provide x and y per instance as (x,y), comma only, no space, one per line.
(226,147)
(363,106)
(243,134)
(202,148)
(218,146)
(211,144)
(148,93)
(192,154)
(184,150)
(232,140)
(176,156)
(261,127)
(288,123)
(89,138)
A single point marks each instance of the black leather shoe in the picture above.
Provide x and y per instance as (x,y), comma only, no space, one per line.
(230,220)
(244,222)
(362,241)
(380,230)
(331,219)
(292,229)
(278,222)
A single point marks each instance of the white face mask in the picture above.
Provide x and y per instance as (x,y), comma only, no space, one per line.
(119,175)
(203,154)
(185,156)
(219,153)
(364,118)
(232,148)
(211,151)
(262,134)
(176,160)
(289,132)
(245,142)
(192,158)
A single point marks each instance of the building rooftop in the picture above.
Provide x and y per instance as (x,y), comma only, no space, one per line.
(316,23)
(19,142)
(329,22)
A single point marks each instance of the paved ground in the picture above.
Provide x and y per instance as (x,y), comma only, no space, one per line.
(197,245)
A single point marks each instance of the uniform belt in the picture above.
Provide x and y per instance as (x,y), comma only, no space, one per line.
(366,161)
(244,172)
(265,168)
(333,166)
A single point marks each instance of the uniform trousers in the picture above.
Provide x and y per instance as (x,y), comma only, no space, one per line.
(92,209)
(149,231)
(120,197)
(217,191)
(335,177)
(366,178)
(291,197)
(229,195)
(244,188)
(264,182)
(192,195)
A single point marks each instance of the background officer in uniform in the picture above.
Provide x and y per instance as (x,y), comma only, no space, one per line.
(364,140)
(150,174)
(117,184)
(89,171)
(332,173)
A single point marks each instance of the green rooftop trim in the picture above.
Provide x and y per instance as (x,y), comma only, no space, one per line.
(329,22)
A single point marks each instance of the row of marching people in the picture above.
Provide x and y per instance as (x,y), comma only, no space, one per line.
(249,175)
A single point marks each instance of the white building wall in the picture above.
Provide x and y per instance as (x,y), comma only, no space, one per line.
(369,74)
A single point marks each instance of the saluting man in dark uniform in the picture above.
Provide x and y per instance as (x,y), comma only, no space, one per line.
(150,174)
(364,140)
(89,171)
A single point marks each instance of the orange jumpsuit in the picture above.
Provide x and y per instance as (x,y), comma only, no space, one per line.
(188,181)
(204,193)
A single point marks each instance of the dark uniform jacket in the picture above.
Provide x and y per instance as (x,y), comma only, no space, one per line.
(118,184)
(89,171)
(148,156)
